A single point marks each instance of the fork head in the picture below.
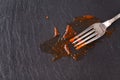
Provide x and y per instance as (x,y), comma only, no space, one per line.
(89,35)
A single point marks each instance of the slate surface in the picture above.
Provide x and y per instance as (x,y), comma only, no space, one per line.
(23,27)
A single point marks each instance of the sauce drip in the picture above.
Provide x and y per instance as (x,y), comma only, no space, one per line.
(61,46)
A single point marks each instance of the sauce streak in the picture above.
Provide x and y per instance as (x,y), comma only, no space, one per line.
(61,46)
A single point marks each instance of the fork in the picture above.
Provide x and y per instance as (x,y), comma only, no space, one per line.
(92,33)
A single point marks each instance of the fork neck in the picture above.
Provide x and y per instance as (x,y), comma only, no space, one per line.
(110,21)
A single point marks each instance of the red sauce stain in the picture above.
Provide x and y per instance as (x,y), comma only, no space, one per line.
(61,46)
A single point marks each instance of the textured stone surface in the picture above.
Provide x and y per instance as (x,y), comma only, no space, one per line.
(23,27)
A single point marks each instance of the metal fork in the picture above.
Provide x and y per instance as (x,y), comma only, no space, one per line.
(92,33)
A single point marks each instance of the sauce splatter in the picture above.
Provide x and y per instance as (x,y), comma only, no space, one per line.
(46,17)
(61,46)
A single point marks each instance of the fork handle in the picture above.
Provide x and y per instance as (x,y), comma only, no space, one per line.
(110,21)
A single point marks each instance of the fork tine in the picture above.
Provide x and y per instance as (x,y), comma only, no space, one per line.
(78,47)
(71,40)
(79,43)
(83,36)
(89,41)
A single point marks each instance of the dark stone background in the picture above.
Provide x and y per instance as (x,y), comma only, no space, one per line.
(23,27)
